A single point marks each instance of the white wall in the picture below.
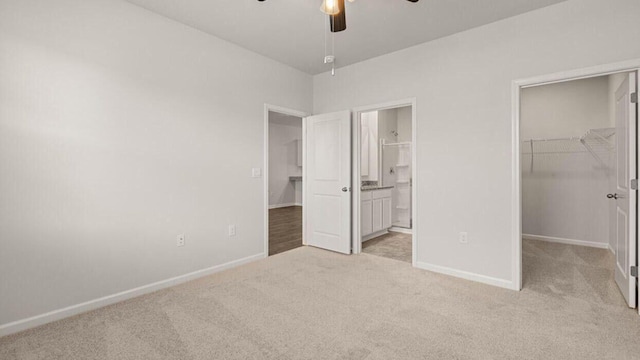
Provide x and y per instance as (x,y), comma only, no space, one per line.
(566,109)
(283,160)
(388,122)
(370,150)
(405,131)
(462,85)
(564,193)
(120,129)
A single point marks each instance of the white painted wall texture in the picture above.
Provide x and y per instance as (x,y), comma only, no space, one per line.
(462,85)
(283,156)
(120,129)
(405,132)
(564,192)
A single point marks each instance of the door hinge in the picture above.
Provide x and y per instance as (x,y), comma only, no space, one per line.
(634,271)
(634,98)
(634,184)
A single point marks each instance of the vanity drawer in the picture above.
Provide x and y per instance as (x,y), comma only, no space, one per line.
(379,194)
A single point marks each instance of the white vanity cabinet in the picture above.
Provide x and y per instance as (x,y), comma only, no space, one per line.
(375,211)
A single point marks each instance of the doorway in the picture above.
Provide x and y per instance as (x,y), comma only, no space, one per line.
(577,161)
(330,160)
(284,158)
(384,174)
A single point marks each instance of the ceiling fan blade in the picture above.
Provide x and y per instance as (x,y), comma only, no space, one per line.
(339,21)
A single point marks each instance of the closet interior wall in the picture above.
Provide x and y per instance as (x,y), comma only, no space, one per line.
(567,161)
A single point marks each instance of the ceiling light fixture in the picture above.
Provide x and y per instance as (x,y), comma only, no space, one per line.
(338,21)
(330,7)
(336,11)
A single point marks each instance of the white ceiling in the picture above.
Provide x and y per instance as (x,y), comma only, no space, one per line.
(293,31)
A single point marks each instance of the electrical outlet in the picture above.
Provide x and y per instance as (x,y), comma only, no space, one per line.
(180,240)
(232,230)
(464,238)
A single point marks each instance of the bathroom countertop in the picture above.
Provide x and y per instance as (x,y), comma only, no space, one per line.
(375,187)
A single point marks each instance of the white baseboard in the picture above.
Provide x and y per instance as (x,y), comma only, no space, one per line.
(277,206)
(506,284)
(24,324)
(611,249)
(566,241)
(401,230)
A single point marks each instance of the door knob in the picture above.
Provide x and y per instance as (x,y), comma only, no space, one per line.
(345,189)
(612,196)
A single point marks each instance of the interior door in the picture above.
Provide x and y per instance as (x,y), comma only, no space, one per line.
(328,177)
(625,197)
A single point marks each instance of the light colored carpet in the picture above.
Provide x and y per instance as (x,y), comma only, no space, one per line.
(393,245)
(313,304)
(570,272)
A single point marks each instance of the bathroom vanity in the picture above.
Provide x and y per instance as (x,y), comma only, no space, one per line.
(375,210)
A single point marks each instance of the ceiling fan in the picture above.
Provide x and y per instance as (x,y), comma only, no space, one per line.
(336,11)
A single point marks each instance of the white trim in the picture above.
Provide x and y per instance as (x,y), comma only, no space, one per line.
(304,176)
(516,193)
(506,284)
(356,221)
(566,241)
(278,206)
(265,170)
(611,249)
(24,324)
(401,230)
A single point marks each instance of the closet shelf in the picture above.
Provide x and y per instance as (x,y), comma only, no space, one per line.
(406,143)
(597,142)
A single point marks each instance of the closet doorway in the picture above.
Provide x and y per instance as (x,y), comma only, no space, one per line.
(283,179)
(384,176)
(578,165)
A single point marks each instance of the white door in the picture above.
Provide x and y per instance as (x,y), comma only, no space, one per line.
(328,178)
(625,198)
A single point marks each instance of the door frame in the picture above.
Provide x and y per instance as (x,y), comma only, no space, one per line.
(356,244)
(516,178)
(265,170)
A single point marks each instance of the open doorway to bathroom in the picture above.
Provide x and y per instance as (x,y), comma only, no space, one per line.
(284,181)
(386,182)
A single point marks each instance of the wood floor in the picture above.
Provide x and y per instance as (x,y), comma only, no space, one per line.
(285,229)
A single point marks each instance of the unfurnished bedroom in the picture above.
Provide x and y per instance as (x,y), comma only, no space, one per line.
(319,179)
